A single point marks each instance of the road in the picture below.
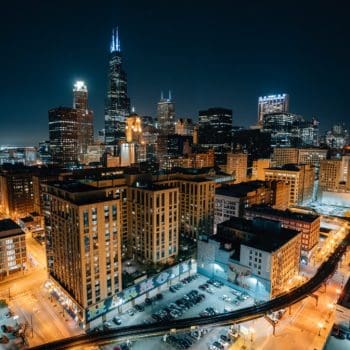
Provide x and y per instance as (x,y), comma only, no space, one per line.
(27,299)
(242,315)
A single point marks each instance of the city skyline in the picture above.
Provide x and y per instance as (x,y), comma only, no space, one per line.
(204,66)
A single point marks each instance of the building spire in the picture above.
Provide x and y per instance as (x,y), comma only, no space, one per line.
(115,43)
(169,95)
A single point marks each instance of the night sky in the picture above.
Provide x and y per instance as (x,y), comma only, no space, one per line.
(209,53)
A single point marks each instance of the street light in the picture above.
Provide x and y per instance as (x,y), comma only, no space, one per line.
(320,326)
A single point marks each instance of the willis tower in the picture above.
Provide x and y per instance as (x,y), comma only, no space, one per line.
(117,102)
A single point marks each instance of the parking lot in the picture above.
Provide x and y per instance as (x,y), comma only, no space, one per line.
(194,296)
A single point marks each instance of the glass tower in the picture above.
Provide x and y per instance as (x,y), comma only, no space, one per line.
(117,102)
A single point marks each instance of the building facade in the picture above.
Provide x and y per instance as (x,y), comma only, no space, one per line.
(230,201)
(272,104)
(300,179)
(258,256)
(16,190)
(236,165)
(83,222)
(215,126)
(13,254)
(307,224)
(153,222)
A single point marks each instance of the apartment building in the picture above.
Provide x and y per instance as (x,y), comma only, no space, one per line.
(153,222)
(83,232)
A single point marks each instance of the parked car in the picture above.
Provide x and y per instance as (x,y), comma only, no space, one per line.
(117,321)
(107,325)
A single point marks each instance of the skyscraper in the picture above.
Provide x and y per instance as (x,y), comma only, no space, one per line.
(71,129)
(215,126)
(117,102)
(84,118)
(272,104)
(166,115)
(166,127)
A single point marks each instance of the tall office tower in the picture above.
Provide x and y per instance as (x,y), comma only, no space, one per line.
(166,115)
(117,102)
(71,129)
(63,134)
(330,175)
(215,126)
(166,127)
(272,104)
(84,118)
(80,95)
(153,222)
(300,178)
(83,227)
(236,165)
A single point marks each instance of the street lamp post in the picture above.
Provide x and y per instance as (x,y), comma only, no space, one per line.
(320,326)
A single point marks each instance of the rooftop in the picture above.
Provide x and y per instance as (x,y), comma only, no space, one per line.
(9,228)
(268,234)
(241,189)
(73,186)
(265,209)
(287,167)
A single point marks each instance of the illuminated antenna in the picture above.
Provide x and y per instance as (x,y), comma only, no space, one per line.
(115,43)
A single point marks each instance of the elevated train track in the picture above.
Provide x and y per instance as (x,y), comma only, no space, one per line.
(237,316)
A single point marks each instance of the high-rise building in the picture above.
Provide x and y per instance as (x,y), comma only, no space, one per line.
(272,104)
(299,177)
(13,254)
(196,196)
(83,234)
(215,126)
(166,115)
(63,134)
(153,222)
(236,165)
(71,129)
(84,118)
(117,102)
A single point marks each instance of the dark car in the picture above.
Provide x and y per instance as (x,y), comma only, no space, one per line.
(159,296)
(117,321)
(148,301)
(139,308)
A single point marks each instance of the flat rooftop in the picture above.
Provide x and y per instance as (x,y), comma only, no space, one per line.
(268,235)
(9,228)
(73,186)
(241,189)
(287,167)
(265,209)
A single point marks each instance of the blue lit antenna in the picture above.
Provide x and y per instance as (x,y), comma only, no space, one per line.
(115,43)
